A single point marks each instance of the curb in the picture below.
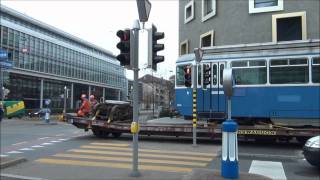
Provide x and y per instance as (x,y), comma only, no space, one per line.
(274,157)
(11,162)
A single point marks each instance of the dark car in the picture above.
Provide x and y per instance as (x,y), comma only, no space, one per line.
(311,151)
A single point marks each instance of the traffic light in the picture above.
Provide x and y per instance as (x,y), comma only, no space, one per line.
(154,47)
(124,47)
(187,76)
(206,75)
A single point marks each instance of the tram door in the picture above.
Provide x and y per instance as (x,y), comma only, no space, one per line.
(218,101)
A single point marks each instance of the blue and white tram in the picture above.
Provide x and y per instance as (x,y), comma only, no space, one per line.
(273,83)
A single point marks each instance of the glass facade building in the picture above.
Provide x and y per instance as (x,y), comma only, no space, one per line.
(46,59)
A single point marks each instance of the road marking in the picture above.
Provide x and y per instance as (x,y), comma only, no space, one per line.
(151,150)
(55,141)
(63,139)
(26,149)
(273,170)
(60,135)
(3,155)
(47,144)
(111,144)
(19,177)
(129,159)
(141,155)
(19,143)
(43,138)
(113,165)
(14,152)
(37,146)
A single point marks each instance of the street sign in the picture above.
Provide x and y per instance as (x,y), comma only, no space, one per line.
(3,54)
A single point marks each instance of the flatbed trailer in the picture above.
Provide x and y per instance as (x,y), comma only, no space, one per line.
(102,128)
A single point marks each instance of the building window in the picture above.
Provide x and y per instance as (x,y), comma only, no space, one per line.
(206,39)
(208,9)
(189,12)
(259,6)
(288,27)
(184,47)
(289,71)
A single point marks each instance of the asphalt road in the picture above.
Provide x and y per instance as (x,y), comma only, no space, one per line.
(62,151)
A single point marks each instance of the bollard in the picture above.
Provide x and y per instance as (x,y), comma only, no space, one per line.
(229,157)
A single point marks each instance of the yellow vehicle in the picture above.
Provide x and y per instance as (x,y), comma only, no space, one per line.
(13,109)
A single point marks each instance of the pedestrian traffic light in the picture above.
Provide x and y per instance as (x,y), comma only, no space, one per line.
(154,47)
(187,76)
(124,47)
(206,75)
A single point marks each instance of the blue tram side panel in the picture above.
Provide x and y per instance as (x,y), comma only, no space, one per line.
(294,96)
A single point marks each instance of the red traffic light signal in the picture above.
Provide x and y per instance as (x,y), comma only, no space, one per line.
(124,47)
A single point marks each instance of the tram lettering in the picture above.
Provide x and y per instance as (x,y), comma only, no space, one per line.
(257,132)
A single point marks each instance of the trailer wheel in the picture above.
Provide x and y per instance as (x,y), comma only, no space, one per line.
(97,132)
(116,135)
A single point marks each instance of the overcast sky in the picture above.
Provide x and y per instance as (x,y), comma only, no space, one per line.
(98,21)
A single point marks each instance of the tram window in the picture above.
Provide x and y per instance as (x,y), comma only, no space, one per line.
(255,74)
(316,70)
(180,75)
(221,73)
(257,63)
(239,63)
(295,71)
(214,74)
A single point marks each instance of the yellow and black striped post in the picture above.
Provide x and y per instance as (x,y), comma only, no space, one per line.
(194,112)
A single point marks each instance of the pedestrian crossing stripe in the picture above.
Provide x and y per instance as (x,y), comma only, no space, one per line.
(129,159)
(113,165)
(149,150)
(142,155)
(111,144)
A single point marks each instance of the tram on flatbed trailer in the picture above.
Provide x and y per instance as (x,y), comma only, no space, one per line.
(276,95)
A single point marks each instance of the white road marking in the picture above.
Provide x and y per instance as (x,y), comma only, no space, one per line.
(19,143)
(55,141)
(14,152)
(63,139)
(26,149)
(43,138)
(60,135)
(47,144)
(3,155)
(271,169)
(37,146)
(20,177)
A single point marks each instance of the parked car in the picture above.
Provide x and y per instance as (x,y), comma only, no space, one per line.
(311,151)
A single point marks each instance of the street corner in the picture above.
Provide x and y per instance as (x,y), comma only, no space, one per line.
(6,162)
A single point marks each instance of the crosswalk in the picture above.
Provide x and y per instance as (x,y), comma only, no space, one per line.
(117,155)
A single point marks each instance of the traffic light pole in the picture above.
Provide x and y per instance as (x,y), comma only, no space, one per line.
(135,124)
(194,112)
